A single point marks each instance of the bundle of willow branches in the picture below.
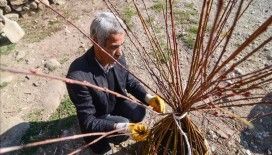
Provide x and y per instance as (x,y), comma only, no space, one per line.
(208,81)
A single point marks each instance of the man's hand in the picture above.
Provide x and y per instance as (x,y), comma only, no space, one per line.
(157,104)
(137,131)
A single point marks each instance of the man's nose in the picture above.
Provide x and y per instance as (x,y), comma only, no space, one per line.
(118,52)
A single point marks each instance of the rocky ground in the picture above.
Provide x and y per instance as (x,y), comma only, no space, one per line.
(50,45)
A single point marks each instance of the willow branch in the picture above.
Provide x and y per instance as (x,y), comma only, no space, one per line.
(50,141)
(71,81)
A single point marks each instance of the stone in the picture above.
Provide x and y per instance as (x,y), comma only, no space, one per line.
(20,55)
(24,14)
(238,71)
(18,2)
(1,26)
(3,3)
(82,48)
(13,31)
(213,148)
(26,8)
(5,78)
(32,13)
(12,16)
(41,6)
(212,134)
(266,49)
(269,55)
(229,143)
(222,134)
(53,93)
(52,64)
(33,5)
(1,11)
(18,8)
(7,9)
(58,2)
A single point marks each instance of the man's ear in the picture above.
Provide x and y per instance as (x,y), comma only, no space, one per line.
(94,39)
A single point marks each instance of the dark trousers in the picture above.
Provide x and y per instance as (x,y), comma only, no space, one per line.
(124,112)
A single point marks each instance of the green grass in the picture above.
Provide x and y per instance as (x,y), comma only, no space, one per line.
(164,56)
(182,17)
(187,19)
(158,6)
(189,39)
(40,26)
(4,84)
(36,32)
(6,49)
(35,115)
(64,59)
(150,20)
(190,6)
(62,119)
(65,109)
(45,23)
(6,46)
(127,13)
(193,29)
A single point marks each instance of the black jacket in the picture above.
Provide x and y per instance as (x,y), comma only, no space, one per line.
(91,103)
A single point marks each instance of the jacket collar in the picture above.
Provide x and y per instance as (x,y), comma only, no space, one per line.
(97,71)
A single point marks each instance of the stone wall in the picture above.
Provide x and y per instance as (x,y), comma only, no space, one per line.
(21,8)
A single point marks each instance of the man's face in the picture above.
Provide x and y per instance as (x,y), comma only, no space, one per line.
(113,47)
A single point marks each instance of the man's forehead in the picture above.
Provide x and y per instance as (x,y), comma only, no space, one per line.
(116,38)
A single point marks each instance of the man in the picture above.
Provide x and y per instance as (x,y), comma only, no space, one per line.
(99,111)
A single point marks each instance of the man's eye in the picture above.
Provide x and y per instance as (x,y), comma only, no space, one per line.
(114,47)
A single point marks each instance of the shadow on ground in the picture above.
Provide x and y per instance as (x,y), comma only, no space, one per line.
(4,41)
(5,45)
(259,138)
(42,130)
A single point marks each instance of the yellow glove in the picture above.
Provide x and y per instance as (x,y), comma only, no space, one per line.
(138,131)
(157,104)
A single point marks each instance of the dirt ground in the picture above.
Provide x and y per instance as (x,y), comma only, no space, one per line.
(25,98)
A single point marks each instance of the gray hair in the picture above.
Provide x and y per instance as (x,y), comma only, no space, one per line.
(104,24)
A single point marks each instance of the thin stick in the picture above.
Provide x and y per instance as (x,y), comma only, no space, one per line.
(71,81)
(96,140)
(49,141)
